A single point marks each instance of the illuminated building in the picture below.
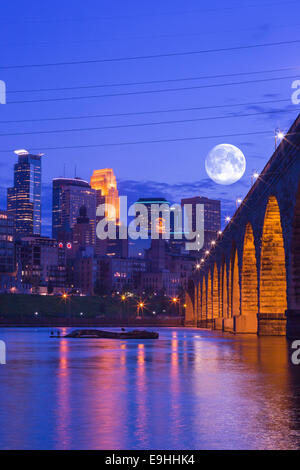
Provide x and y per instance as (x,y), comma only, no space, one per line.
(82,231)
(212,219)
(160,222)
(42,262)
(7,257)
(119,274)
(24,198)
(105,183)
(68,196)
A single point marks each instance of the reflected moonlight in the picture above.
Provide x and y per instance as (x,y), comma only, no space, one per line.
(225,164)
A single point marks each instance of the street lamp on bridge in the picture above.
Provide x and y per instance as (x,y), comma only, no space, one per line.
(279,136)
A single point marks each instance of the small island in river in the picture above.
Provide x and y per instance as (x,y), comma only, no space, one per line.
(133,334)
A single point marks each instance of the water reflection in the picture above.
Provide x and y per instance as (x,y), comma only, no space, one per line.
(63,412)
(190,389)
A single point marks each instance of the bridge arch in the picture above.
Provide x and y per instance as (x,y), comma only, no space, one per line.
(190,298)
(249,288)
(273,285)
(215,293)
(224,296)
(295,255)
(234,283)
(204,300)
(209,297)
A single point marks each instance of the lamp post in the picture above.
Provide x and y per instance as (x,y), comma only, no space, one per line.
(279,136)
(65,299)
(238,202)
(175,302)
(123,300)
(140,307)
(254,177)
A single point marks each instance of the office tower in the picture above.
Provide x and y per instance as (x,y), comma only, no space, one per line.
(156,254)
(162,217)
(212,218)
(7,256)
(105,183)
(82,231)
(24,198)
(117,247)
(42,262)
(68,196)
(142,245)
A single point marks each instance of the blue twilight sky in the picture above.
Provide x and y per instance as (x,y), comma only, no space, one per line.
(35,33)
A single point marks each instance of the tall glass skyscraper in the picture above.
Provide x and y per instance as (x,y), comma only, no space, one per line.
(68,197)
(24,198)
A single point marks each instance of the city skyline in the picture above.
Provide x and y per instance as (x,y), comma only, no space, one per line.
(247,73)
(150,232)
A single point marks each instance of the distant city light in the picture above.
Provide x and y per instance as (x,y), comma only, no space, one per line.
(197,266)
(228,219)
(220,232)
(207,252)
(213,242)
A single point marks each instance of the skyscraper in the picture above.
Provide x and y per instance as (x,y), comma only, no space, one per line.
(68,196)
(82,231)
(8,268)
(24,198)
(7,255)
(212,219)
(105,183)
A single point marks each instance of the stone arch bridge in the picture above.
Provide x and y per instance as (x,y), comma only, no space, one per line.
(250,280)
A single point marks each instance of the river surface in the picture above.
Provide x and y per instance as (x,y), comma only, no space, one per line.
(191,389)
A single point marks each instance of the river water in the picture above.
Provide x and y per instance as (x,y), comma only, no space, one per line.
(191,389)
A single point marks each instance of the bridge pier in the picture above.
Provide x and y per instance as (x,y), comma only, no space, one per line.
(245,324)
(205,323)
(228,325)
(218,323)
(190,324)
(293,324)
(271,324)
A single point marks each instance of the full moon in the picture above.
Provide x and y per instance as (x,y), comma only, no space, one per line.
(225,164)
